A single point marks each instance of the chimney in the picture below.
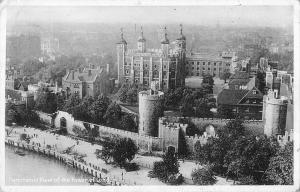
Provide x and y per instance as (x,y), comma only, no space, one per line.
(90,72)
(56,87)
(73,74)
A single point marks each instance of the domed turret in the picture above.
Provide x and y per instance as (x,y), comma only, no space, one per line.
(142,42)
(165,39)
(122,41)
(181,37)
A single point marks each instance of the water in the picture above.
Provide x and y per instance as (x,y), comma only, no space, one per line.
(36,169)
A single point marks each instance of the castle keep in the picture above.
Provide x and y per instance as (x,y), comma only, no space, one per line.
(142,65)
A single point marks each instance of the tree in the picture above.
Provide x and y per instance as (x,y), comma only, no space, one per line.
(128,124)
(167,167)
(125,150)
(132,95)
(187,110)
(235,127)
(203,176)
(203,152)
(11,114)
(207,84)
(225,76)
(113,114)
(73,101)
(281,166)
(46,101)
(202,108)
(98,109)
(182,145)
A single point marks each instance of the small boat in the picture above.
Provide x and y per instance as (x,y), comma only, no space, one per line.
(21,153)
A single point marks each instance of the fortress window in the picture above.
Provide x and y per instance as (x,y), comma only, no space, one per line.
(197,68)
(127,72)
(146,65)
(203,63)
(198,74)
(215,64)
(208,63)
(203,68)
(208,69)
(215,69)
(220,63)
(198,63)
(127,80)
(192,68)
(155,66)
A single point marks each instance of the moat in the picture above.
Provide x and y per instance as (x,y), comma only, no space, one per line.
(35,169)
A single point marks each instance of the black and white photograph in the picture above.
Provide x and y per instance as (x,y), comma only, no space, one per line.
(149,95)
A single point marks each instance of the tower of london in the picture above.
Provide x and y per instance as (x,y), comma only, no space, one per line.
(165,65)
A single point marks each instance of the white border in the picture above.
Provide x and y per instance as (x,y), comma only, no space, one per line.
(295,3)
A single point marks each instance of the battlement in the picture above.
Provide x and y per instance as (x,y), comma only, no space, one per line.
(148,96)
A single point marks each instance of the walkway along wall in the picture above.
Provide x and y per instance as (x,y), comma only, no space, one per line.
(147,143)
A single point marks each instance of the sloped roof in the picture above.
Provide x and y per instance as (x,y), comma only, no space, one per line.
(238,82)
(231,97)
(240,75)
(84,76)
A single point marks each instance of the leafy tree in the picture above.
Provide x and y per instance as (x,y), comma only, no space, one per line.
(61,100)
(187,110)
(98,109)
(132,95)
(113,114)
(203,152)
(203,176)
(122,93)
(125,150)
(225,76)
(108,147)
(46,101)
(202,108)
(11,114)
(182,145)
(128,124)
(235,127)
(281,166)
(167,167)
(207,84)
(73,101)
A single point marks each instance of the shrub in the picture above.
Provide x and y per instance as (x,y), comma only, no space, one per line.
(176,179)
(131,167)
(203,176)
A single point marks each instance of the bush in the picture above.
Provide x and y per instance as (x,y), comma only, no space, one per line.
(203,176)
(176,179)
(131,167)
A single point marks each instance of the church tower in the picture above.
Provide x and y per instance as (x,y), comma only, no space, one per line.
(121,52)
(165,44)
(141,42)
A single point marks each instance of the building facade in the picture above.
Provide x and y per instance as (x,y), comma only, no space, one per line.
(86,82)
(141,66)
(198,64)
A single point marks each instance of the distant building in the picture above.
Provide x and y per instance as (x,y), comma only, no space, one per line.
(49,46)
(87,82)
(248,103)
(242,80)
(198,64)
(165,65)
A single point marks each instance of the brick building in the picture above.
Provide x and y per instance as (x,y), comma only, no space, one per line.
(86,82)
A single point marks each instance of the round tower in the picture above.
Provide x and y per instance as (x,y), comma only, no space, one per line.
(150,110)
(274,114)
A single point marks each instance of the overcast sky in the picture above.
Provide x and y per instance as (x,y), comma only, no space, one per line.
(274,16)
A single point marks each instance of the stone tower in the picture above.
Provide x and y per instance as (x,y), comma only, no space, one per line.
(150,110)
(121,52)
(165,44)
(141,42)
(180,49)
(274,114)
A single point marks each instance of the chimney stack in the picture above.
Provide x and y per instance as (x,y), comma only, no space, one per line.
(90,72)
(73,74)
(107,68)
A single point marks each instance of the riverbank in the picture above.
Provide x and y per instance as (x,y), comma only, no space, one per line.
(38,170)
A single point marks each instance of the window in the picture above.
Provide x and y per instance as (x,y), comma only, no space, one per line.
(88,86)
(146,65)
(203,63)
(208,68)
(165,66)
(198,74)
(198,63)
(192,68)
(236,87)
(76,85)
(215,69)
(127,72)
(254,92)
(215,64)
(208,63)
(203,68)
(197,68)
(155,66)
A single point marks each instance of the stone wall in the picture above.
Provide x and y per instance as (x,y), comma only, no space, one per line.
(252,126)
(147,143)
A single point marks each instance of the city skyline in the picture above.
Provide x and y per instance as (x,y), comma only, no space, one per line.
(268,16)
